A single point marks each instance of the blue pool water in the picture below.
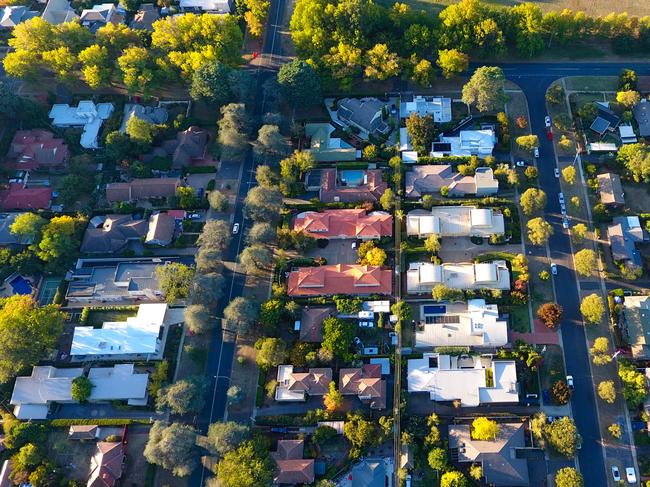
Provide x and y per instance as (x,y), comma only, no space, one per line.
(434,309)
(352,177)
(20,285)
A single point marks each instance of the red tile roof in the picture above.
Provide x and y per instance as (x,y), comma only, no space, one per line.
(371,191)
(353,223)
(316,382)
(19,198)
(328,280)
(106,464)
(365,382)
(32,149)
(291,467)
(140,189)
(311,322)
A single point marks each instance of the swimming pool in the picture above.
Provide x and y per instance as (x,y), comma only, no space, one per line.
(352,177)
(20,285)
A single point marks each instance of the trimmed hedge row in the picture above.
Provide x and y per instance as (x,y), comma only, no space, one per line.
(98,421)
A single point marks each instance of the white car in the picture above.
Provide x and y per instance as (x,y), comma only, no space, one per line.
(616,474)
(630,473)
(560,196)
(569,381)
(520,164)
(536,152)
(554,269)
(565,222)
(563,208)
(235,229)
(557,172)
(547,121)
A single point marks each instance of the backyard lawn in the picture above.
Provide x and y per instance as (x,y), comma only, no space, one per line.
(519,318)
(552,368)
(96,318)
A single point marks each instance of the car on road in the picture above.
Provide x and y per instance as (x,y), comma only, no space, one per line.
(563,208)
(520,163)
(554,269)
(556,171)
(616,474)
(235,229)
(569,381)
(630,473)
(547,121)
(560,196)
(565,222)
(536,152)
(549,134)
(194,216)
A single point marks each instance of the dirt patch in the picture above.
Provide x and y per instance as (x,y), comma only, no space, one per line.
(73,456)
(245,376)
(637,197)
(136,465)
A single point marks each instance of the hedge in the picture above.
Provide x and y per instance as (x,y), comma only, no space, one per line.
(199,169)
(57,423)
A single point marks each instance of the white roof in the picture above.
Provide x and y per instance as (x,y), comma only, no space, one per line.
(282,393)
(221,6)
(46,384)
(455,221)
(626,131)
(376,306)
(481,217)
(58,12)
(86,115)
(469,142)
(404,142)
(136,335)
(603,147)
(485,272)
(437,106)
(410,157)
(490,275)
(119,382)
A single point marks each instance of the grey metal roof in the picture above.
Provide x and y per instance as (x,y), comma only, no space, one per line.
(600,125)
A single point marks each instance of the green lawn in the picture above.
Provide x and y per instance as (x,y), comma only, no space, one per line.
(592,83)
(99,317)
(519,318)
(552,368)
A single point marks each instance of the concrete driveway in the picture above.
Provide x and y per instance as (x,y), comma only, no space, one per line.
(461,249)
(336,252)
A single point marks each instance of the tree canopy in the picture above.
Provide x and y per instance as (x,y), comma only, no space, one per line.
(172,447)
(175,280)
(183,396)
(592,308)
(300,83)
(240,315)
(568,477)
(226,436)
(337,336)
(248,466)
(485,89)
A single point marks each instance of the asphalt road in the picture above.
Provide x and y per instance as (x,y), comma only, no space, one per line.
(534,79)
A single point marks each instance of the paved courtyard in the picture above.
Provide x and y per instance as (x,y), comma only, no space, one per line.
(461,249)
(336,252)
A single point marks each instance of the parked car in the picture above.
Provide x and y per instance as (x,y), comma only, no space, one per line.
(557,172)
(569,381)
(616,474)
(549,134)
(554,269)
(520,164)
(630,473)
(235,229)
(560,196)
(563,208)
(565,222)
(547,121)
(194,216)
(536,152)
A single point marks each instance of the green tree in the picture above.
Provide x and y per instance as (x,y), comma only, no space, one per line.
(270,142)
(256,15)
(265,176)
(239,315)
(172,447)
(532,200)
(138,68)
(263,204)
(96,65)
(233,131)
(381,64)
(484,429)
(300,83)
(437,459)
(387,199)
(592,308)
(198,320)
(255,257)
(628,98)
(452,62)
(531,172)
(212,82)
(453,478)
(175,280)
(569,174)
(226,436)
(555,94)
(60,240)
(27,225)
(585,262)
(636,159)
(635,387)
(141,131)
(485,89)
(562,435)
(568,477)
(271,312)
(247,466)
(333,400)
(360,432)
(81,389)
(607,391)
(615,430)
(271,352)
(476,472)
(183,396)
(432,244)
(422,74)
(527,142)
(261,232)
(421,131)
(528,24)
(337,336)
(441,292)
(539,231)
(627,80)
(217,200)
(578,232)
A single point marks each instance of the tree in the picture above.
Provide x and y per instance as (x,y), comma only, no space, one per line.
(484,429)
(27,225)
(239,315)
(432,244)
(28,457)
(261,232)
(635,387)
(360,432)
(381,63)
(247,466)
(186,197)
(539,231)
(565,143)
(175,280)
(628,98)
(423,73)
(81,389)
(140,130)
(233,131)
(226,436)
(387,199)
(197,318)
(138,69)
(531,172)
(333,400)
(27,333)
(485,89)
(270,142)
(560,392)
(522,123)
(550,314)
(592,308)
(218,201)
(292,171)
(636,159)
(402,310)
(452,62)
(615,430)
(575,201)
(172,447)
(527,142)
(568,477)
(369,254)
(234,395)
(265,176)
(440,292)
(532,200)
(428,201)
(60,240)
(182,397)
(212,82)
(627,80)
(453,478)
(437,459)
(578,232)
(271,352)
(569,174)
(337,336)
(555,94)
(263,204)
(607,391)
(300,83)
(421,131)
(562,435)
(255,257)
(585,262)
(215,236)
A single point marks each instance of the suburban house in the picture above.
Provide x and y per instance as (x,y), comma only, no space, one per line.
(606,120)
(421,180)
(8,239)
(503,464)
(328,280)
(161,229)
(467,143)
(142,189)
(206,6)
(370,472)
(85,115)
(292,468)
(365,114)
(37,149)
(635,322)
(19,197)
(422,277)
(438,107)
(610,190)
(84,432)
(144,18)
(107,464)
(344,224)
(118,281)
(58,12)
(33,395)
(471,379)
(139,337)
(151,115)
(625,234)
(627,135)
(311,322)
(349,185)
(475,324)
(100,15)
(296,386)
(326,148)
(642,117)
(366,383)
(13,15)
(189,145)
(455,221)
(112,233)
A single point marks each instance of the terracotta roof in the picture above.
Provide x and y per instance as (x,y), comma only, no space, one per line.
(291,467)
(34,149)
(83,432)
(161,229)
(19,198)
(315,382)
(339,279)
(139,189)
(365,382)
(371,191)
(113,234)
(311,323)
(353,223)
(106,464)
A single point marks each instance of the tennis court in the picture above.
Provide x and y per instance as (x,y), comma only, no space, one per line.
(48,290)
